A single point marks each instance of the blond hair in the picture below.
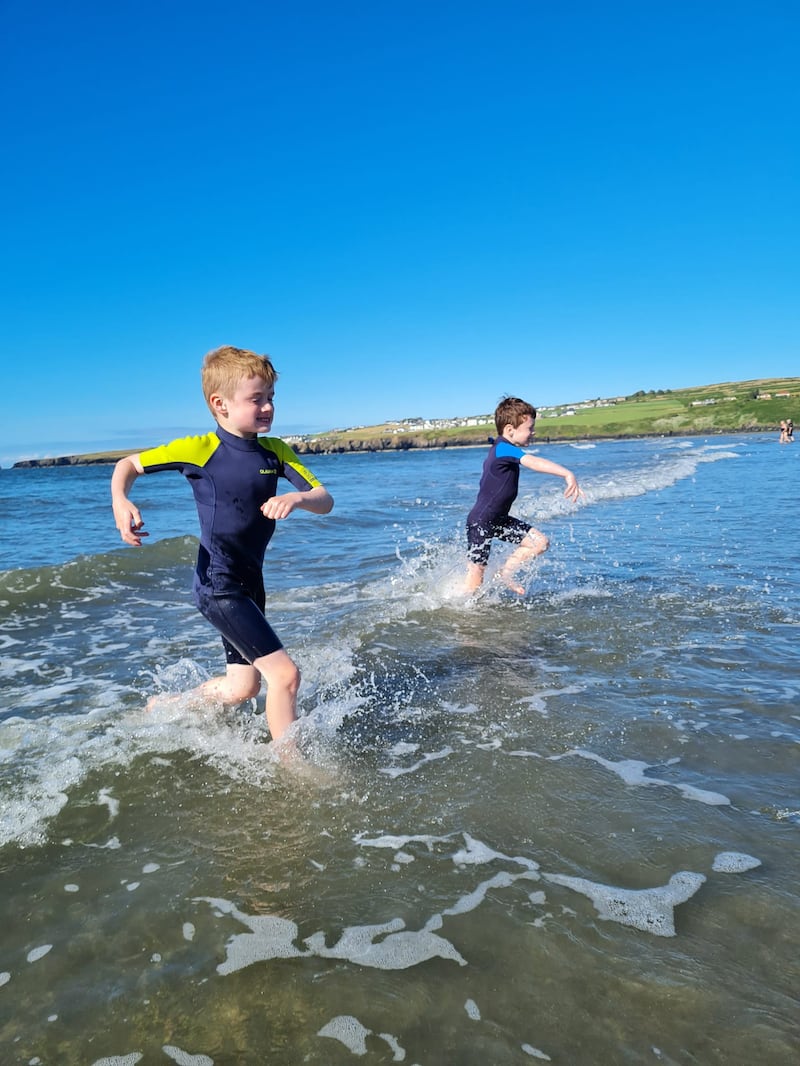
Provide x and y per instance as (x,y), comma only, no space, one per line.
(511,411)
(225,367)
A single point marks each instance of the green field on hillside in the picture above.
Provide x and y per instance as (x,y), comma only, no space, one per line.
(729,407)
(626,415)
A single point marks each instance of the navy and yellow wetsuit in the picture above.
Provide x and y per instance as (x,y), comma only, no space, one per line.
(498,489)
(231,478)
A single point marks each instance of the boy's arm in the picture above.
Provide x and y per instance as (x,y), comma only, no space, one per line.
(126,515)
(317,500)
(544,466)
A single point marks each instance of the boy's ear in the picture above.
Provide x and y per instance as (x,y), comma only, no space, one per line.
(217,404)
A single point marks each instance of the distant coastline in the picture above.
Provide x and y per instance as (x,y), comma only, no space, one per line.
(383,445)
(731,407)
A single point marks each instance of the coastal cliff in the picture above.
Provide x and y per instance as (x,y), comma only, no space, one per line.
(315,446)
(730,407)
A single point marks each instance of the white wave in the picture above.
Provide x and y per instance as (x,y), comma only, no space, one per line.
(120,1060)
(660,473)
(56,756)
(472,1009)
(734,862)
(476,853)
(648,909)
(390,945)
(46,759)
(183,1058)
(392,842)
(433,756)
(384,946)
(535,1052)
(349,1031)
(632,772)
(39,953)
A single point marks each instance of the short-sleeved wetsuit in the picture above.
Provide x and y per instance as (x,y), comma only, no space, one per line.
(498,488)
(231,478)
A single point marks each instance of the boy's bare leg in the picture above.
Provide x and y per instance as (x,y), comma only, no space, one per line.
(283,681)
(242,682)
(239,683)
(535,543)
(475,574)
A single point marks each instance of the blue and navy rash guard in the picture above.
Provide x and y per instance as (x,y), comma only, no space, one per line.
(499,484)
(231,478)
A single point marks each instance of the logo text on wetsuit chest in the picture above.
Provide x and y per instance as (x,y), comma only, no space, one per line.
(266,471)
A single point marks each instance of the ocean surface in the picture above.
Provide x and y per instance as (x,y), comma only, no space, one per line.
(560,828)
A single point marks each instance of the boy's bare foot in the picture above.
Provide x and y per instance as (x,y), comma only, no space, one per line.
(510,582)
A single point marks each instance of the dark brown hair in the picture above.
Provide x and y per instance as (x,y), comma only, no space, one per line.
(511,411)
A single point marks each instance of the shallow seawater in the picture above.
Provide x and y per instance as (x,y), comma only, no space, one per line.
(557,828)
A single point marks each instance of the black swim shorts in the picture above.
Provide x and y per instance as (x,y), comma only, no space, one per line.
(479,537)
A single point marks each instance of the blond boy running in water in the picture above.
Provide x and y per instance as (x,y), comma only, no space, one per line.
(234,473)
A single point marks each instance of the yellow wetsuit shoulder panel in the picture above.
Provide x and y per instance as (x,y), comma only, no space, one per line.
(185,451)
(293,468)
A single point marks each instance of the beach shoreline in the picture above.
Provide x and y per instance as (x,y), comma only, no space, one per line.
(358,447)
(731,408)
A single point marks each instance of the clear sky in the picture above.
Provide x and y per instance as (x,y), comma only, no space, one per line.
(414,207)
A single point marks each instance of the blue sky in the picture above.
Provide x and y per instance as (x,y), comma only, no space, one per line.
(414,208)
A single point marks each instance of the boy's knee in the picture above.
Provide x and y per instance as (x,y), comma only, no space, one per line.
(248,691)
(538,541)
(241,689)
(283,673)
(293,679)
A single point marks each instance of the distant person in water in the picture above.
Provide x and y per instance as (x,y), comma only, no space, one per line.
(489,517)
(234,474)
(787,431)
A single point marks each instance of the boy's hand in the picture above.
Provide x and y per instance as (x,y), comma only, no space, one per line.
(280,506)
(129,522)
(572,489)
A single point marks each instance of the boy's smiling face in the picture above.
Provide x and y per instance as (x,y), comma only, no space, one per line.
(521,434)
(249,412)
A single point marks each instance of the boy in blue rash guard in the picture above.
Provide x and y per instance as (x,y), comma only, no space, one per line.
(234,475)
(489,517)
